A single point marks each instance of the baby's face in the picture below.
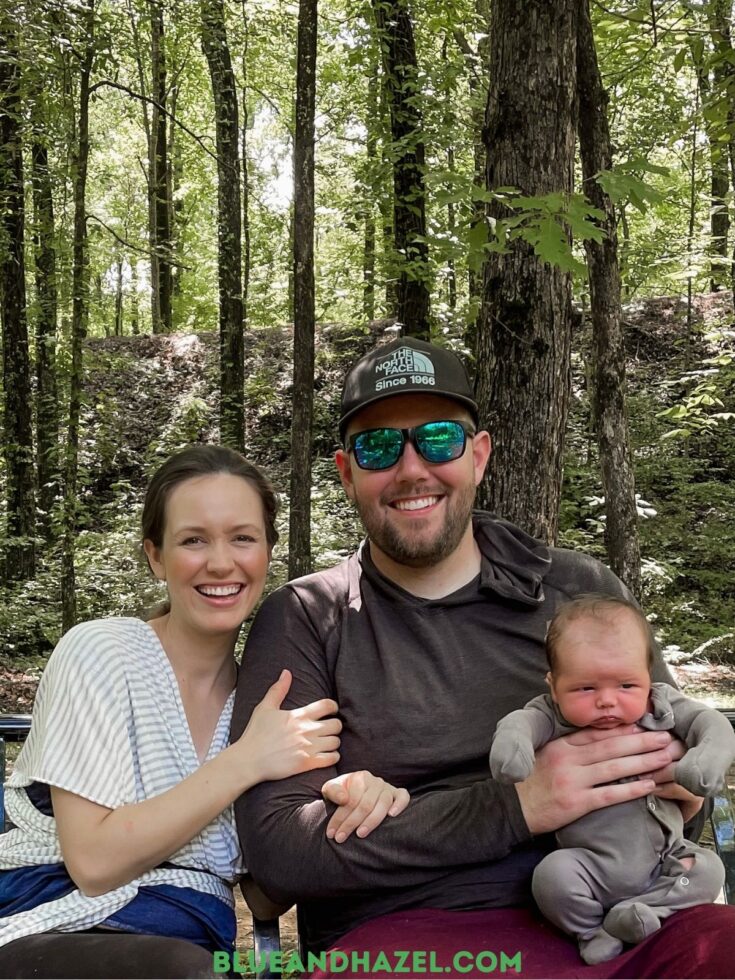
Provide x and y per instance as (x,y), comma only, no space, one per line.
(601,678)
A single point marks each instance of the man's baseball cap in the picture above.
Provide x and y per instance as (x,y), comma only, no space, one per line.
(405,367)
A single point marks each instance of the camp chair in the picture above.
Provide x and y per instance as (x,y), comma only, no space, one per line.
(266,914)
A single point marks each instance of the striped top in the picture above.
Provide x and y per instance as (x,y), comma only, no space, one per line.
(109,725)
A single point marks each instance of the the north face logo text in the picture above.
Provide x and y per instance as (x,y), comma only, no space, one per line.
(403,366)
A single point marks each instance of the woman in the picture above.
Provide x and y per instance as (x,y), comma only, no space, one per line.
(121,798)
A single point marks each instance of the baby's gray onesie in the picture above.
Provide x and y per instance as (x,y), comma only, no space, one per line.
(620,872)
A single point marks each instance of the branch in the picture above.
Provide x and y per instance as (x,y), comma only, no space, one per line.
(133,248)
(108,83)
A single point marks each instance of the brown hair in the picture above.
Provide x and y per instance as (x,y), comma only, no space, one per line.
(201,460)
(594,604)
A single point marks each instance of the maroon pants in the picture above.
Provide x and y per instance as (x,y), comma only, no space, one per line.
(697,942)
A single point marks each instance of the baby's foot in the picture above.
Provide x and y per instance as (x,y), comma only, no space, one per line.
(600,947)
(632,922)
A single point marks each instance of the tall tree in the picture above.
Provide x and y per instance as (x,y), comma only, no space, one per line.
(18,427)
(524,330)
(402,87)
(229,224)
(47,413)
(719,118)
(299,541)
(722,108)
(246,237)
(159,175)
(368,208)
(608,342)
(477,61)
(80,307)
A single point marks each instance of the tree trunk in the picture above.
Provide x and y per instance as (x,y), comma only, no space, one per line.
(299,542)
(80,300)
(368,194)
(524,335)
(245,173)
(478,75)
(134,310)
(386,205)
(229,219)
(159,172)
(119,296)
(176,204)
(47,412)
(608,343)
(395,34)
(719,14)
(18,426)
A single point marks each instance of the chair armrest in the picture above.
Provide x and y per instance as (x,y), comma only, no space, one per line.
(13,728)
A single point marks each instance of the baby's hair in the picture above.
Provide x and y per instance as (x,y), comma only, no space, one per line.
(593,604)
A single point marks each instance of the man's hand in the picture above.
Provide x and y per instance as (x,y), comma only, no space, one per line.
(572,774)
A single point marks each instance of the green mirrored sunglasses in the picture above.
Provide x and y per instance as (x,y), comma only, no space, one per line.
(436,442)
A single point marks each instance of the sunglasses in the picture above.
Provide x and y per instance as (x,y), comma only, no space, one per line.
(436,442)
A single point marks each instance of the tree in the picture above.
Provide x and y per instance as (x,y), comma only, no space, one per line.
(159,176)
(80,305)
(401,81)
(524,329)
(299,550)
(18,431)
(608,343)
(229,224)
(47,413)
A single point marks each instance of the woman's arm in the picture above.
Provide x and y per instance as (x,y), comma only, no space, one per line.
(104,848)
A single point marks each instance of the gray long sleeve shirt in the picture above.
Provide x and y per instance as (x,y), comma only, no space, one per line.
(421,685)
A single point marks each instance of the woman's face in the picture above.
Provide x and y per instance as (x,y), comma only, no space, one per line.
(214,557)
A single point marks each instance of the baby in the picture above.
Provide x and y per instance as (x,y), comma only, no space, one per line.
(626,867)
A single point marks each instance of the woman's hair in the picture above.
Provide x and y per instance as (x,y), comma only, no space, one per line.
(201,460)
(601,606)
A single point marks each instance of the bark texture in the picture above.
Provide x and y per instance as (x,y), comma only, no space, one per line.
(18,429)
(400,72)
(80,307)
(159,175)
(608,343)
(229,224)
(47,412)
(299,541)
(524,328)
(719,98)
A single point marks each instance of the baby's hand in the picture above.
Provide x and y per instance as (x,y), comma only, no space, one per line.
(511,759)
(363,802)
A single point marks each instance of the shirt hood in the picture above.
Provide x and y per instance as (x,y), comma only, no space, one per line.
(514,564)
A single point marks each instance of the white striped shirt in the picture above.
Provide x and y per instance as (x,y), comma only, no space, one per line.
(109,725)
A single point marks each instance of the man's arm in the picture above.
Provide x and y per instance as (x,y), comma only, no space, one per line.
(282,825)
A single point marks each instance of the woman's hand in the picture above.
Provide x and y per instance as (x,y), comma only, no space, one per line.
(282,743)
(363,802)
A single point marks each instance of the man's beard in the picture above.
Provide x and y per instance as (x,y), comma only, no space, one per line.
(414,550)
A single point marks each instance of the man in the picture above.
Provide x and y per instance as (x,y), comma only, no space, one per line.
(426,637)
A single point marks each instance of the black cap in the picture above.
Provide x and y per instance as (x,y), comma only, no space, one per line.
(405,367)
